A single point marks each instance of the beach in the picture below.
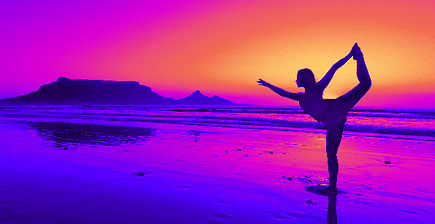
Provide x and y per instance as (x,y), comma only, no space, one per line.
(72,171)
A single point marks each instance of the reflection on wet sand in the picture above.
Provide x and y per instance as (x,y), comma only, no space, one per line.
(331,217)
(91,134)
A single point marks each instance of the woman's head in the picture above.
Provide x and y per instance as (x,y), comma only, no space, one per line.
(305,78)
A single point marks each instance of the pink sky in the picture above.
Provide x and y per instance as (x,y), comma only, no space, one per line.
(222,47)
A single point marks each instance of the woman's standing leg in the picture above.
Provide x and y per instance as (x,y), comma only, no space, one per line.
(333,138)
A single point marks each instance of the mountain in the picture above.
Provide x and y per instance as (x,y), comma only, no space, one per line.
(198,98)
(66,91)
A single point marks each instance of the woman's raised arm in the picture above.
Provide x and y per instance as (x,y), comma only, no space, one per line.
(279,91)
(324,82)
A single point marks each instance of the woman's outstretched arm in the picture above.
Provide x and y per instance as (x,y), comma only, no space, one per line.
(279,91)
(324,82)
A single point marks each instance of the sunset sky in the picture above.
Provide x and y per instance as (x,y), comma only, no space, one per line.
(222,47)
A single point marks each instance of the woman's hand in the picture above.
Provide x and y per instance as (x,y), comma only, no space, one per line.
(263,83)
(356,52)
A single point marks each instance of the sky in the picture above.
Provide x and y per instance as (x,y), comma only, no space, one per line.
(222,47)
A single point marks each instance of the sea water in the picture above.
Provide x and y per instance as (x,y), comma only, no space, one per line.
(412,124)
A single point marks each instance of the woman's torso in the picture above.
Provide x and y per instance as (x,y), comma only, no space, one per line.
(327,111)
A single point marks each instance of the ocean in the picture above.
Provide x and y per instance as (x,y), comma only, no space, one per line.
(412,124)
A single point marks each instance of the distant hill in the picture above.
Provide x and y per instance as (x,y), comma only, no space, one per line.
(198,98)
(66,91)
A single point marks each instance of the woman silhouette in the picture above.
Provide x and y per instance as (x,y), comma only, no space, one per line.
(331,112)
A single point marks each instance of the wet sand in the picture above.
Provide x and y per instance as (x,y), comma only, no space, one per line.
(192,174)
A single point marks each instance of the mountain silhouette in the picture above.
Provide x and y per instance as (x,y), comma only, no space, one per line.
(197,98)
(66,91)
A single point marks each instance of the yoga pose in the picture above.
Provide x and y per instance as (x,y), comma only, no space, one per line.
(331,112)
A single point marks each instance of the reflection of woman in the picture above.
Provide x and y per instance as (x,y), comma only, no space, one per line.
(331,112)
(331,217)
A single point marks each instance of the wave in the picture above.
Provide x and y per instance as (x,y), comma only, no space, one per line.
(403,123)
(386,113)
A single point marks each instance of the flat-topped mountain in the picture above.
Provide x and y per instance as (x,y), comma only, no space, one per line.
(66,91)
